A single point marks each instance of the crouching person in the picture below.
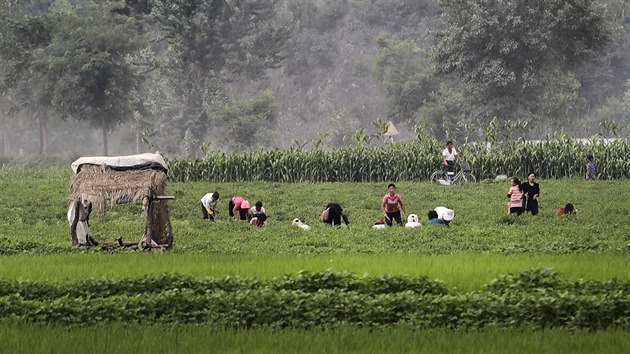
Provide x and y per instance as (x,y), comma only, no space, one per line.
(258,220)
(333,213)
(209,205)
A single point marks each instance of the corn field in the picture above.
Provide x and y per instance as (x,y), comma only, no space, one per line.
(554,157)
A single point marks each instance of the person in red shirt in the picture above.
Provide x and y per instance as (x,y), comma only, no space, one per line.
(568,209)
(390,204)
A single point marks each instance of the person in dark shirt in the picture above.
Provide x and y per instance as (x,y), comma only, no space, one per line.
(335,214)
(531,190)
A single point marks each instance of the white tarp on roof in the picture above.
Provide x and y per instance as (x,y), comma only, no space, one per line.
(121,161)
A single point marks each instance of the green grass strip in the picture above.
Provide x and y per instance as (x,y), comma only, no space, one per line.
(177,338)
(460,271)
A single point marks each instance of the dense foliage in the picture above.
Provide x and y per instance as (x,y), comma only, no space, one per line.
(554,157)
(181,76)
(530,299)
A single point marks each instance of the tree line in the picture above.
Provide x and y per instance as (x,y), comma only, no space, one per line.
(186,77)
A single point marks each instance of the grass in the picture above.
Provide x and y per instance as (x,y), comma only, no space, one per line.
(482,243)
(32,218)
(131,338)
(461,271)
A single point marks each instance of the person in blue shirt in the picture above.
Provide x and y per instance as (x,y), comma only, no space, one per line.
(433,218)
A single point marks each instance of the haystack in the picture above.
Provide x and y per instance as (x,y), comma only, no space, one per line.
(104,182)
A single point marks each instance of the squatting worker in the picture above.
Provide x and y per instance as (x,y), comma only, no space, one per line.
(209,205)
(333,213)
(238,205)
(256,210)
(390,204)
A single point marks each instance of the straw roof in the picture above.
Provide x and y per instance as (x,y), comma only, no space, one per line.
(105,187)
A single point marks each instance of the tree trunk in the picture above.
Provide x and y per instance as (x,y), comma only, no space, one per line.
(42,118)
(44,134)
(5,143)
(105,149)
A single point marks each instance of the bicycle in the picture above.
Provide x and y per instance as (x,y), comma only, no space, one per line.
(461,177)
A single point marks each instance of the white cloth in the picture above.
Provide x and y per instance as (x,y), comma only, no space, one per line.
(120,161)
(450,156)
(445,213)
(412,221)
(297,222)
(83,230)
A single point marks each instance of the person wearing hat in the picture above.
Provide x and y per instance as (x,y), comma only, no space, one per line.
(445,214)
(240,205)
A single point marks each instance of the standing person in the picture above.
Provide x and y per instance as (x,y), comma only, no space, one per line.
(255,210)
(390,204)
(515,193)
(240,205)
(531,189)
(209,205)
(333,213)
(591,168)
(449,155)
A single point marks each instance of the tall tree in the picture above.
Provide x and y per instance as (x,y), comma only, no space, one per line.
(213,42)
(402,70)
(84,72)
(22,34)
(509,50)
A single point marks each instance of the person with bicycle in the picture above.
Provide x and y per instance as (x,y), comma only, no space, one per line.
(449,155)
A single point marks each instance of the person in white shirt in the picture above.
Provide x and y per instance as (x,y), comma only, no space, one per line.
(445,214)
(255,211)
(449,155)
(208,205)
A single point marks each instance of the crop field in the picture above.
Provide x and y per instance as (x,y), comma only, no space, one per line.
(490,281)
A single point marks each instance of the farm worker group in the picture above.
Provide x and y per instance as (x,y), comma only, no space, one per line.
(522,198)
(332,214)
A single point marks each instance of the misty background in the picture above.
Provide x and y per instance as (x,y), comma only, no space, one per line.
(184,77)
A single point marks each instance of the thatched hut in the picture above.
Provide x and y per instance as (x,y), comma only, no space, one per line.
(103,182)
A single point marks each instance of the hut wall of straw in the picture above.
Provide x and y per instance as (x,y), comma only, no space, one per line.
(105,187)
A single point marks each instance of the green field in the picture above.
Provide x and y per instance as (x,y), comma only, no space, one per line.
(130,338)
(483,244)
(462,271)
